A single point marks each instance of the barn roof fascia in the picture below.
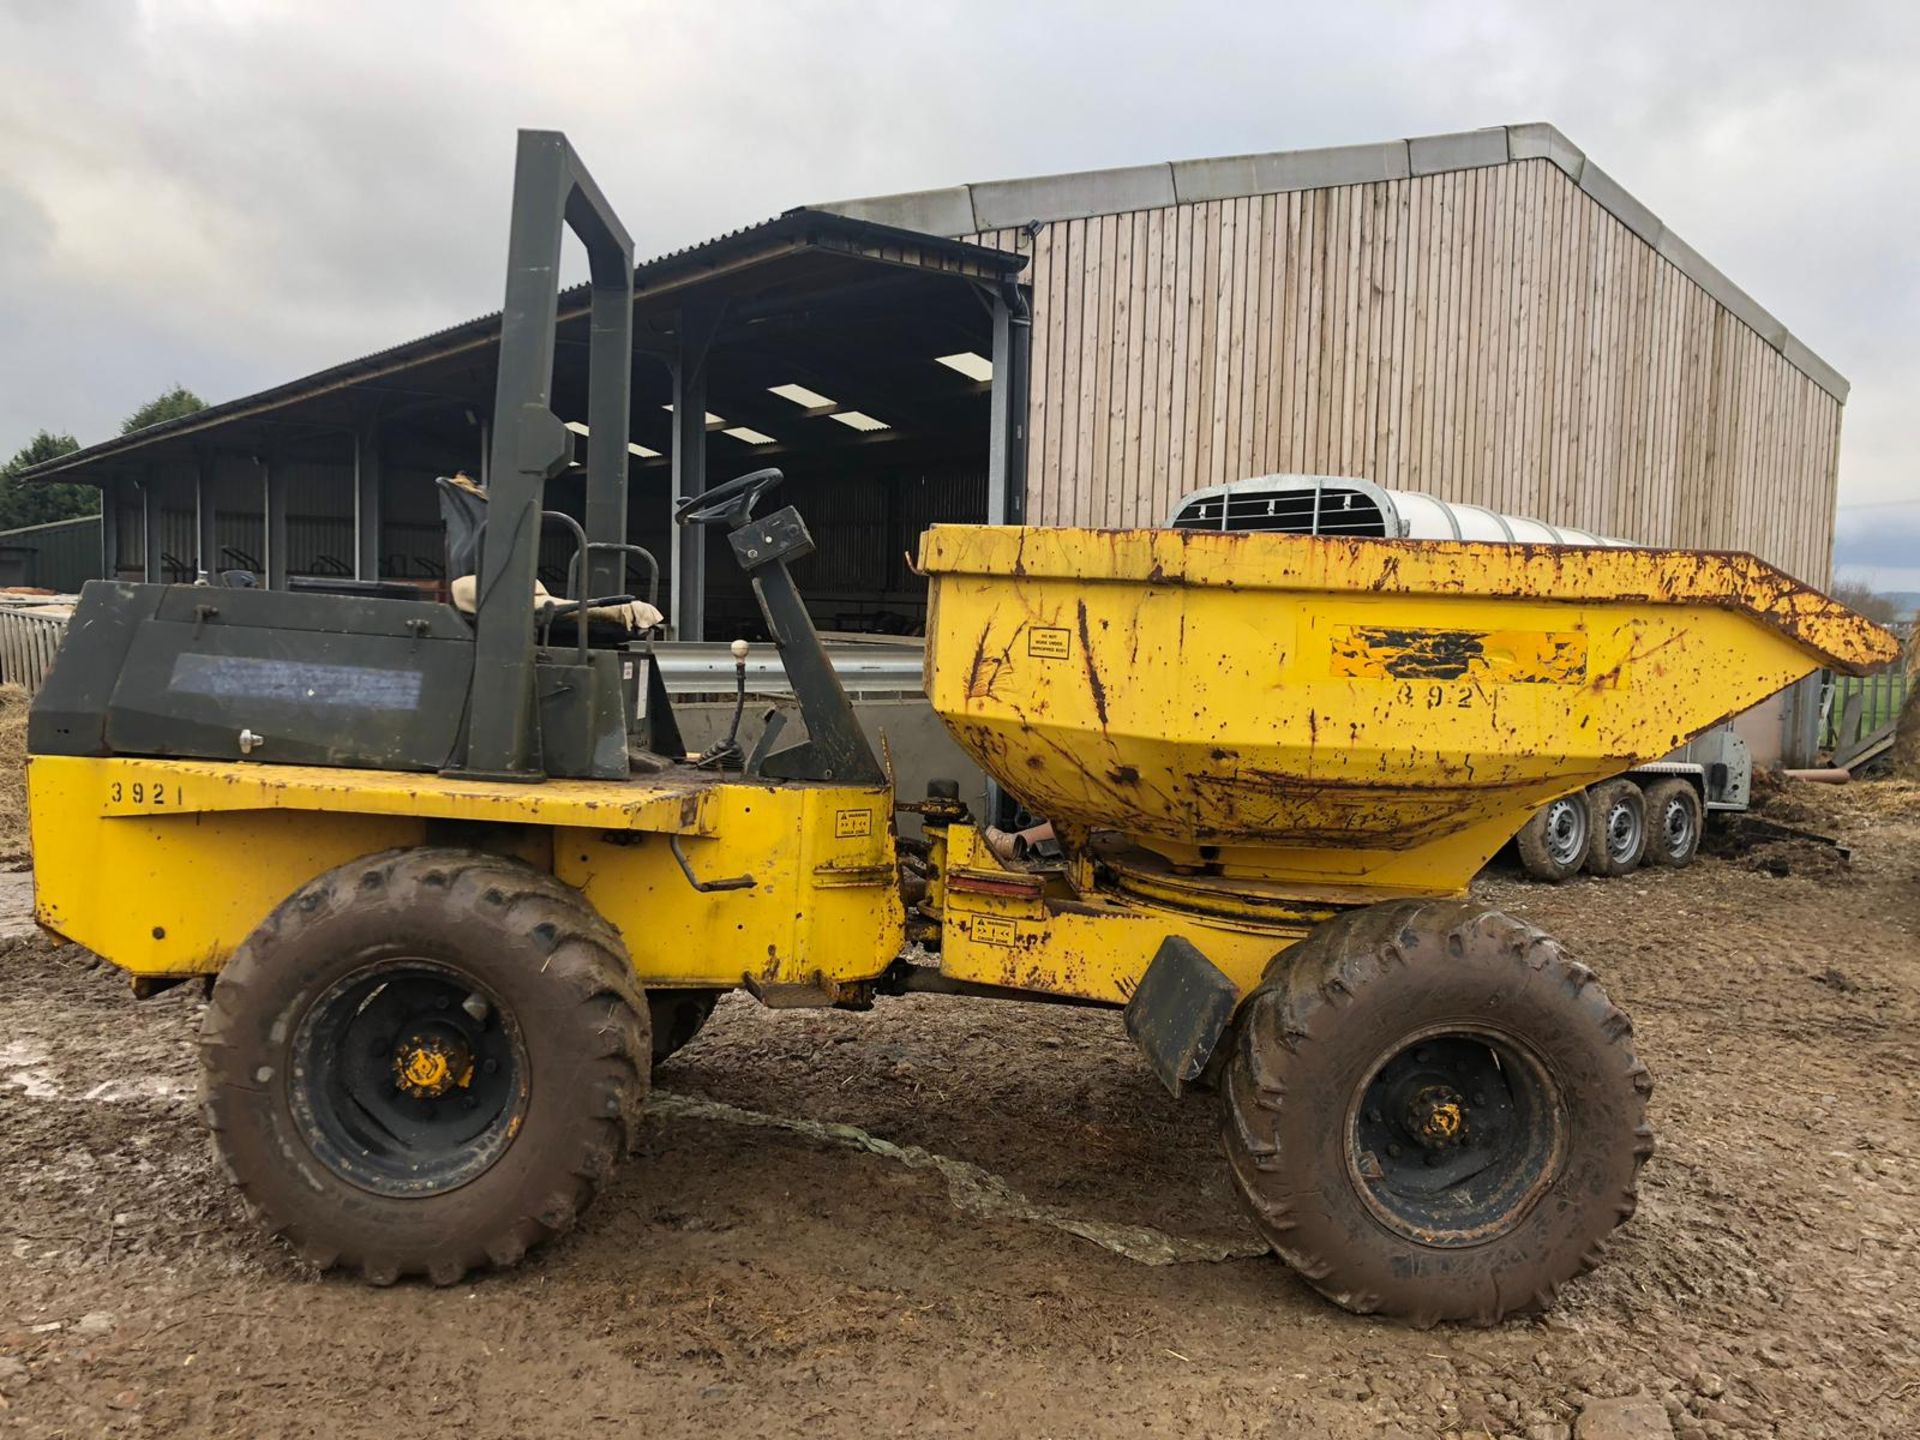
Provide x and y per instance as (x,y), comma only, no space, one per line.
(978,207)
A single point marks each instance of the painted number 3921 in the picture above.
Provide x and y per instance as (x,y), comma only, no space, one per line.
(143,792)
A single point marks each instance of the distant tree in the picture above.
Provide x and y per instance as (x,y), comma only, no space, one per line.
(38,504)
(1860,596)
(168,406)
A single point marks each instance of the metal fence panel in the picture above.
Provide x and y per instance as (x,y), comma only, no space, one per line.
(29,640)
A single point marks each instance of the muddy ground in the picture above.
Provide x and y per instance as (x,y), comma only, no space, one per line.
(748,1279)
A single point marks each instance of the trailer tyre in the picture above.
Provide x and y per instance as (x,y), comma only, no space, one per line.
(1675,820)
(1616,828)
(1553,844)
(1432,1113)
(424,1063)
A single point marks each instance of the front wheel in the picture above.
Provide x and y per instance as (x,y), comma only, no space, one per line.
(424,1062)
(1432,1113)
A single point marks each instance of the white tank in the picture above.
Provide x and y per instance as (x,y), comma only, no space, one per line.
(1345,505)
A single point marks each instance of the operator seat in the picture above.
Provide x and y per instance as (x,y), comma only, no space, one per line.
(463,510)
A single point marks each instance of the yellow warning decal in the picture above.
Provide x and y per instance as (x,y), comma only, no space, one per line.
(852,824)
(1526,657)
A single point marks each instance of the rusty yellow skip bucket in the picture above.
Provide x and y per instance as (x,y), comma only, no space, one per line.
(1340,714)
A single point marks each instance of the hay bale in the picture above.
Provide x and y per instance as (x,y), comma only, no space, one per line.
(1904,761)
(14,842)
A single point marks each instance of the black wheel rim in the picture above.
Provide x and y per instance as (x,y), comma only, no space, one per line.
(1566,827)
(408,1078)
(1677,828)
(1623,833)
(1455,1134)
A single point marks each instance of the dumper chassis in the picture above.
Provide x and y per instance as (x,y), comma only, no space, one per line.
(456,885)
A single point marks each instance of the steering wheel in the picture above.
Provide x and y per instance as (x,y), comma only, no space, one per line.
(731,501)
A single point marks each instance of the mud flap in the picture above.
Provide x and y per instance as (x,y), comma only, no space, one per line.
(1179,1011)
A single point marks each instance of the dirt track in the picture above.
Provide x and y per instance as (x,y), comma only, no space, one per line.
(746,1279)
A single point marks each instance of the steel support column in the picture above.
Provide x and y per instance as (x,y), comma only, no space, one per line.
(366,502)
(696,327)
(207,558)
(1007,407)
(150,528)
(110,528)
(274,486)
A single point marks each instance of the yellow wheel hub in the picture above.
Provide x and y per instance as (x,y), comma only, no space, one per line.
(428,1066)
(1445,1121)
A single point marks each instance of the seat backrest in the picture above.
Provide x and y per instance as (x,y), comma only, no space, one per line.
(463,510)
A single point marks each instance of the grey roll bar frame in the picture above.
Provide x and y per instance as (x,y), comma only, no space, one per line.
(530,444)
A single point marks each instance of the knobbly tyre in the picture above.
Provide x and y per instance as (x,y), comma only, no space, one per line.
(458,886)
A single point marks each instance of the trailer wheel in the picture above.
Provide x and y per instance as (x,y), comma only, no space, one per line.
(1433,1113)
(423,1063)
(676,1016)
(1553,844)
(1675,819)
(1617,828)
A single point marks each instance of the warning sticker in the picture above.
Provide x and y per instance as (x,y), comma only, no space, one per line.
(1044,643)
(852,824)
(993,930)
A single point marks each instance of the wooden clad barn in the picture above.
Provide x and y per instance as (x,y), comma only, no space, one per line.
(1487,317)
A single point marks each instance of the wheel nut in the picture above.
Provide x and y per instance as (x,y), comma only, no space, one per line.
(1393,1150)
(1374,1115)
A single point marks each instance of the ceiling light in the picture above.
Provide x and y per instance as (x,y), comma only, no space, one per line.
(801,396)
(713,420)
(748,435)
(579,427)
(857,420)
(974,367)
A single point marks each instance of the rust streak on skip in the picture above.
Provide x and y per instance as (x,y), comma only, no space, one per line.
(1093,671)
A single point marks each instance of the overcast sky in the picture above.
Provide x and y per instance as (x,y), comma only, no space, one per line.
(231,194)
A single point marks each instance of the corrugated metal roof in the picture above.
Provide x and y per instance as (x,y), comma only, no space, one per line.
(802,227)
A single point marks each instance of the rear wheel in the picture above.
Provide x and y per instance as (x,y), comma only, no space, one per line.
(1617,828)
(1675,819)
(424,1062)
(1553,844)
(1433,1113)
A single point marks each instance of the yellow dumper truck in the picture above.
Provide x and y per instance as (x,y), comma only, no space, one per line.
(456,883)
